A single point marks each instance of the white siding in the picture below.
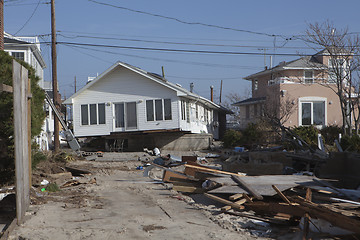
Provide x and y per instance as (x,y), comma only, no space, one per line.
(201,123)
(123,85)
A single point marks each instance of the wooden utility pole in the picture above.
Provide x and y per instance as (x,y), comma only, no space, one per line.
(1,24)
(54,76)
(220,91)
(75,84)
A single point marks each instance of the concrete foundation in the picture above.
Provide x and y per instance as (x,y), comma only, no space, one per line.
(168,141)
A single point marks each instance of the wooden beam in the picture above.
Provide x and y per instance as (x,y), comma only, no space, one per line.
(307,217)
(247,187)
(224,201)
(6,88)
(281,194)
(191,169)
(236,196)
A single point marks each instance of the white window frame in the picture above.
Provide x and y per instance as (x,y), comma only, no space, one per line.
(256,84)
(311,100)
(89,115)
(306,79)
(162,109)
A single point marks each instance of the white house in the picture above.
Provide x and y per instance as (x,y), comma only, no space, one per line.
(28,50)
(126,102)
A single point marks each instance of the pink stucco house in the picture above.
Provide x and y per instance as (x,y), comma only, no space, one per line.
(306,86)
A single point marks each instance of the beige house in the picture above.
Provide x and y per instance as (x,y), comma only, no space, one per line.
(299,93)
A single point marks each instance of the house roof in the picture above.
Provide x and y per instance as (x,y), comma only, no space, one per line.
(249,101)
(182,92)
(307,62)
(31,42)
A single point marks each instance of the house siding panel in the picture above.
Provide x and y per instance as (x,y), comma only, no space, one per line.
(123,85)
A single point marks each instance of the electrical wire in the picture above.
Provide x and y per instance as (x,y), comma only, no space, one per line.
(29,18)
(183,21)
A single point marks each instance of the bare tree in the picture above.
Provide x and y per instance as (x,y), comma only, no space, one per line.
(277,111)
(342,49)
(234,97)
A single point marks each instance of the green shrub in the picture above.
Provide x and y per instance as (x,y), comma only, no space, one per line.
(252,134)
(330,133)
(350,143)
(307,133)
(37,157)
(52,187)
(232,138)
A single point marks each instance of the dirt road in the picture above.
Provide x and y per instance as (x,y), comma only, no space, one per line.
(122,204)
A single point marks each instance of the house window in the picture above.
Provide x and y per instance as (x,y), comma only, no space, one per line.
(160,113)
(205,115)
(119,115)
(187,111)
(167,109)
(313,113)
(337,70)
(256,84)
(158,110)
(18,55)
(84,115)
(197,111)
(308,76)
(150,110)
(101,113)
(183,117)
(94,112)
(131,115)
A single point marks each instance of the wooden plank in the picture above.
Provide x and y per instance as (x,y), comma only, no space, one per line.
(247,187)
(275,208)
(190,170)
(188,189)
(307,217)
(6,88)
(236,196)
(172,174)
(224,201)
(248,199)
(20,77)
(335,218)
(225,208)
(281,194)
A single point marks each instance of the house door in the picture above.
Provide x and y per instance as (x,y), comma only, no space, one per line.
(125,116)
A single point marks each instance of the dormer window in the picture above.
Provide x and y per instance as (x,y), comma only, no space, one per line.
(256,84)
(308,76)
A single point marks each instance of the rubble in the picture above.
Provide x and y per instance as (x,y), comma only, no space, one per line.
(300,200)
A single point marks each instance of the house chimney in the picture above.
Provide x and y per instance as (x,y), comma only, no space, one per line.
(212,93)
(1,24)
(191,87)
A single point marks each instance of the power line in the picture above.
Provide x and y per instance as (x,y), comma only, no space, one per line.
(166,60)
(179,50)
(29,18)
(175,43)
(185,22)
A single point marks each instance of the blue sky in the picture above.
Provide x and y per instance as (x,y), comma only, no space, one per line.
(86,22)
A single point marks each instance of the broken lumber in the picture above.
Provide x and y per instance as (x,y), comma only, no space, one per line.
(335,218)
(224,201)
(281,194)
(247,187)
(191,170)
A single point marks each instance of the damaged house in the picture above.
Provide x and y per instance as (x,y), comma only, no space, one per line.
(301,92)
(131,109)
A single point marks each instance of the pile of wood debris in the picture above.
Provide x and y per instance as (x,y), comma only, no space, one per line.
(310,203)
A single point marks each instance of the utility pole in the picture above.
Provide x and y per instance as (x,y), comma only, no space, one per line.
(1,24)
(54,76)
(220,91)
(75,84)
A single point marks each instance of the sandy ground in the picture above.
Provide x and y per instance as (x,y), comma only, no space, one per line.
(123,204)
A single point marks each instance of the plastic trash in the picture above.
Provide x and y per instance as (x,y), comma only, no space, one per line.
(156,152)
(139,168)
(44,182)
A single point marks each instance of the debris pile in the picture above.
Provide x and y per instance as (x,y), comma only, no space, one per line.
(312,205)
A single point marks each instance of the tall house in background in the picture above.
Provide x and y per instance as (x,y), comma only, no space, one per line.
(304,90)
(28,50)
